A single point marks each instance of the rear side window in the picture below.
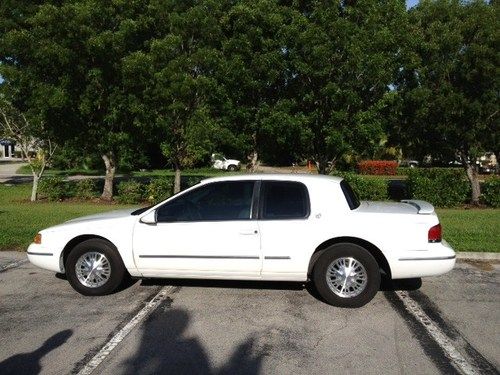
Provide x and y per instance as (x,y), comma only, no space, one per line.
(282,200)
(350,195)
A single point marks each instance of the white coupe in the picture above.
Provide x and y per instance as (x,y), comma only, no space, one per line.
(253,227)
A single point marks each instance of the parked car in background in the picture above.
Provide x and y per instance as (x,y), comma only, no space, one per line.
(220,162)
(487,163)
(409,163)
(253,227)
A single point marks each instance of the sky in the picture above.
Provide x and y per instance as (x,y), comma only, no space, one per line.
(410,3)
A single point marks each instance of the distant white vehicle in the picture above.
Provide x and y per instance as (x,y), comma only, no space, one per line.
(253,227)
(220,162)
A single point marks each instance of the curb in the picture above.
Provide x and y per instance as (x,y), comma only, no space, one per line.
(478,256)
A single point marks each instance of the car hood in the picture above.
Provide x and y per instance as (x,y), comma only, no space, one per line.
(116,214)
(233,161)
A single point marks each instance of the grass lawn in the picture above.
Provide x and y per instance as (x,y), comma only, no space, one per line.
(20,220)
(471,230)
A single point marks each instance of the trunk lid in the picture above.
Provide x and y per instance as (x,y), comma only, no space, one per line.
(404,207)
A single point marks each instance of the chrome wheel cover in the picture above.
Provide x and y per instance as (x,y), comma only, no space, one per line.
(93,269)
(346,277)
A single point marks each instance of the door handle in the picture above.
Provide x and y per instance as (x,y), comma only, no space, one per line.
(249,232)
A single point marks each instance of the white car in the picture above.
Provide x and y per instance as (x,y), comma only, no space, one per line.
(220,162)
(253,227)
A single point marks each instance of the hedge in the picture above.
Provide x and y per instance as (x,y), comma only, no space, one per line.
(491,191)
(371,189)
(130,192)
(443,187)
(54,188)
(86,189)
(378,167)
(159,189)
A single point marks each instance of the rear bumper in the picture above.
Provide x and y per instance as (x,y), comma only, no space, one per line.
(44,258)
(437,260)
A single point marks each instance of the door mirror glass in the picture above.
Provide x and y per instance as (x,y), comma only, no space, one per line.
(149,218)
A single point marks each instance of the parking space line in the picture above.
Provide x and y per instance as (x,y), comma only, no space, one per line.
(445,343)
(121,334)
(11,265)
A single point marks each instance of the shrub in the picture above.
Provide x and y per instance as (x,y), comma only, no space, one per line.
(491,192)
(85,189)
(54,188)
(130,192)
(371,189)
(378,167)
(443,187)
(159,189)
(191,181)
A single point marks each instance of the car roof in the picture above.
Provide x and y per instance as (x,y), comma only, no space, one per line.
(301,177)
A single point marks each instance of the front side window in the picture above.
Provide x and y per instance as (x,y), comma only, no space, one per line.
(230,200)
(284,200)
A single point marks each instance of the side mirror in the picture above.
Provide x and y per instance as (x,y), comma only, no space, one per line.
(149,218)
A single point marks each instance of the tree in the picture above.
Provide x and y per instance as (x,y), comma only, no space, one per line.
(177,69)
(36,147)
(64,62)
(449,84)
(343,58)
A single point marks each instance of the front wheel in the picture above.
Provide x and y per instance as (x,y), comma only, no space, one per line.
(232,168)
(94,268)
(346,275)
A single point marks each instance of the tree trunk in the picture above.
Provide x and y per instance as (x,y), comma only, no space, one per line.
(34,189)
(321,166)
(471,172)
(177,180)
(253,161)
(109,162)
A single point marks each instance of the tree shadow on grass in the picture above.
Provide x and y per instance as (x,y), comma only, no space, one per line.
(166,348)
(29,363)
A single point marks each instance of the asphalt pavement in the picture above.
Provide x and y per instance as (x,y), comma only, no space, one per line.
(446,324)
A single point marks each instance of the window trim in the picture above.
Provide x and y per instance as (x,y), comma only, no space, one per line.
(347,190)
(210,221)
(261,201)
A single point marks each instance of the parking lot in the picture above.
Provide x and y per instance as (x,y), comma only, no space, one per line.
(448,324)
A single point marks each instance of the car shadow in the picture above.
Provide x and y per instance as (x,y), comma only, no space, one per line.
(389,285)
(386,284)
(29,363)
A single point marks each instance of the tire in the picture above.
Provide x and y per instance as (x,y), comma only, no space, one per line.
(107,279)
(232,168)
(362,289)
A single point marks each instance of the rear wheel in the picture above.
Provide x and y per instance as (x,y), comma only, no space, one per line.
(346,275)
(94,268)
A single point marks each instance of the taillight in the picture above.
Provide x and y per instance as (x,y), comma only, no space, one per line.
(435,233)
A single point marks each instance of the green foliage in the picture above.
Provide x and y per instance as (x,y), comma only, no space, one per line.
(85,189)
(491,192)
(54,188)
(448,85)
(371,189)
(159,189)
(443,187)
(130,192)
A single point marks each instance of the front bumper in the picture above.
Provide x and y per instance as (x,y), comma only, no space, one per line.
(438,259)
(44,258)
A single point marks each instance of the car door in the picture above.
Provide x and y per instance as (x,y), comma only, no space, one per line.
(208,232)
(286,228)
